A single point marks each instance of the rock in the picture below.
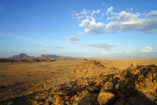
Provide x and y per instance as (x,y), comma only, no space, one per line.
(135,71)
(133,100)
(133,65)
(46,103)
(34,102)
(92,68)
(57,100)
(10,90)
(49,99)
(10,103)
(120,102)
(155,101)
(107,86)
(41,96)
(66,97)
(117,86)
(105,98)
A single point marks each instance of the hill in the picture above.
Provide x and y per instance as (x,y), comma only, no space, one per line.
(20,56)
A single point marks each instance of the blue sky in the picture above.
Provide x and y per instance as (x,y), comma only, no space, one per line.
(79,28)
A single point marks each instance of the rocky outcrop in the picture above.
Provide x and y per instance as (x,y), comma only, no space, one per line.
(137,85)
(89,69)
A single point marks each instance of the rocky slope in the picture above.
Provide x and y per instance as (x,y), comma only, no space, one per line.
(94,84)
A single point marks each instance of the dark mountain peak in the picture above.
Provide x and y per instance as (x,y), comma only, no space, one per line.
(20,56)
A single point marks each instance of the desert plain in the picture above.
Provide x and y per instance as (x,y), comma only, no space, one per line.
(24,79)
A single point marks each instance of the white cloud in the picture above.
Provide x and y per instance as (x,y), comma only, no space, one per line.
(117,21)
(89,23)
(84,23)
(152,14)
(95,12)
(131,9)
(72,39)
(104,52)
(101,45)
(120,53)
(109,10)
(84,12)
(127,21)
(148,49)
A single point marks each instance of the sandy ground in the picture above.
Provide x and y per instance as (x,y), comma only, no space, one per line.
(124,63)
(17,73)
(21,76)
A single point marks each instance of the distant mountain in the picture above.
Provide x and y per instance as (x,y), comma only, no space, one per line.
(23,56)
(20,56)
(26,58)
(49,56)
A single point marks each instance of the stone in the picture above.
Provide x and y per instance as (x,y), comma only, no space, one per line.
(133,100)
(135,71)
(10,103)
(57,100)
(66,97)
(133,65)
(49,99)
(120,102)
(105,98)
(46,103)
(34,102)
(107,86)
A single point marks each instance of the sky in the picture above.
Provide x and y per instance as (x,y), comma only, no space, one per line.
(79,28)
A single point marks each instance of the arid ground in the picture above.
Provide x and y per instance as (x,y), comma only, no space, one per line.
(20,79)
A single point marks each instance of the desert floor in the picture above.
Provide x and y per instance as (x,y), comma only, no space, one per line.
(18,77)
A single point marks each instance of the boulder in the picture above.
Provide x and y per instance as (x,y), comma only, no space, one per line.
(105,98)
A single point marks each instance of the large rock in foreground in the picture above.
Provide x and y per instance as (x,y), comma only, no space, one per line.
(105,98)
